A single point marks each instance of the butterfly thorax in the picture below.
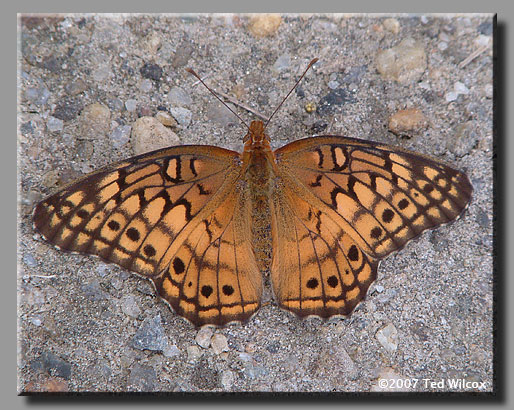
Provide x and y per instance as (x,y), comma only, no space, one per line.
(259,167)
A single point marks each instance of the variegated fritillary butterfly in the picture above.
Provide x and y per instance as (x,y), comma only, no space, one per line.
(202,222)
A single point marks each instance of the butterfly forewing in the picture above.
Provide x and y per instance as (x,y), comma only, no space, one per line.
(164,215)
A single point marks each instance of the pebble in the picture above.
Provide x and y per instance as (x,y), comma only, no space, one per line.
(460,88)
(146,85)
(67,109)
(404,63)
(142,378)
(451,96)
(407,121)
(264,25)
(442,45)
(193,353)
(120,135)
(203,337)
(75,87)
(488,89)
(464,140)
(282,63)
(95,120)
(37,95)
(388,338)
(129,306)
(165,119)
(151,71)
(148,134)
(36,320)
(131,105)
(219,343)
(182,115)
(333,84)
(171,351)
(392,25)
(55,366)
(178,97)
(333,99)
(29,260)
(227,379)
(102,73)
(93,291)
(151,335)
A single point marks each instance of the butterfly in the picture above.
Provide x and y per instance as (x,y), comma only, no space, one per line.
(203,222)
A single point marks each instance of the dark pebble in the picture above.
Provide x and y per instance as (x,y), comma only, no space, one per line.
(67,109)
(334,98)
(151,71)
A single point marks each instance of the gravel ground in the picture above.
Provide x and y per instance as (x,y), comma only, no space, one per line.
(85,80)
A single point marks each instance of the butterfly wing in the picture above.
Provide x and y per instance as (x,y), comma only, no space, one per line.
(167,215)
(353,203)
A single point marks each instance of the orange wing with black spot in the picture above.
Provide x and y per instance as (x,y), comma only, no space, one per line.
(341,205)
(175,216)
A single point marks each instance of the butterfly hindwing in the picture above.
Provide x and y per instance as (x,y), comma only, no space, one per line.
(352,202)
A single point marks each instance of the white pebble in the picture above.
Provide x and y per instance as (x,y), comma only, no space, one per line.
(451,96)
(460,88)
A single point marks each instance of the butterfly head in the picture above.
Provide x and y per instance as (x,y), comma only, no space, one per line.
(256,134)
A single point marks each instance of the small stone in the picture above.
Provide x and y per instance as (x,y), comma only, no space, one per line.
(264,25)
(333,84)
(146,85)
(488,90)
(55,366)
(388,338)
(379,288)
(37,95)
(219,343)
(465,139)
(182,115)
(392,25)
(95,121)
(218,114)
(460,88)
(36,320)
(29,260)
(204,335)
(424,19)
(442,45)
(76,87)
(310,107)
(151,335)
(153,43)
(227,379)
(165,119)
(67,109)
(131,105)
(451,96)
(102,73)
(282,63)
(178,97)
(407,121)
(142,378)
(129,306)
(329,103)
(151,71)
(193,353)
(171,351)
(404,63)
(120,135)
(93,291)
(148,134)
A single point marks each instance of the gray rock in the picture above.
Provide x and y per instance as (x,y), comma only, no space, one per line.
(388,338)
(182,115)
(178,97)
(151,335)
(130,307)
(120,135)
(219,343)
(203,337)
(404,63)
(54,124)
(142,378)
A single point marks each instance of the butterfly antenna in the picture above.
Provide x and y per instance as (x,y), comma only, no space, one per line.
(191,71)
(313,61)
